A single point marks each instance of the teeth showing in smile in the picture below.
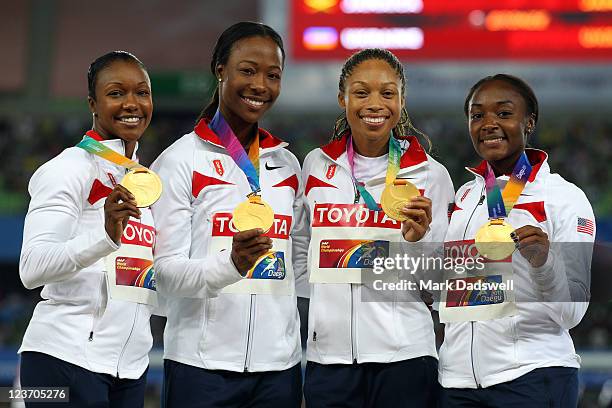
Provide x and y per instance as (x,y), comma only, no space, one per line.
(253,102)
(130,120)
(493,141)
(373,120)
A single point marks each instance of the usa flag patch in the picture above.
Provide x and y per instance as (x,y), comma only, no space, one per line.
(585,226)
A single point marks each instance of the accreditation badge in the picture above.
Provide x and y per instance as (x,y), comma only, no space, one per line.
(346,239)
(130,275)
(272,273)
(484,291)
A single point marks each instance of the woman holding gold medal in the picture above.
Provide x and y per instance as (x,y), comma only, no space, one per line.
(365,348)
(229,223)
(509,347)
(89,242)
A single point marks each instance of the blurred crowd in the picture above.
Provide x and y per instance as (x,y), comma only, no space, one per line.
(579,147)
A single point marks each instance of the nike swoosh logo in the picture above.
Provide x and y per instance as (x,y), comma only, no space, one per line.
(268,167)
(527,195)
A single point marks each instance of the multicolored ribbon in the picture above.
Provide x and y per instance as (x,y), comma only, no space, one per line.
(395,154)
(93,146)
(248,164)
(501,203)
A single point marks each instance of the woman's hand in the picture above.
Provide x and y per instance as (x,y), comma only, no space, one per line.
(418,211)
(533,244)
(119,206)
(247,247)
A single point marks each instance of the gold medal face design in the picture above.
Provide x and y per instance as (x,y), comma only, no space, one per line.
(493,240)
(144,184)
(253,213)
(395,196)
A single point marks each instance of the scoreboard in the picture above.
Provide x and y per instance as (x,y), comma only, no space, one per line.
(530,30)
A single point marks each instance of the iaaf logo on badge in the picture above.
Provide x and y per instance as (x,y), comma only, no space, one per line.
(138,234)
(224,227)
(331,170)
(467,250)
(351,215)
(218,167)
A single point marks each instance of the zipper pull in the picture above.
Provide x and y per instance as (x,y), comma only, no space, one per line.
(482,198)
(314,336)
(90,336)
(357,196)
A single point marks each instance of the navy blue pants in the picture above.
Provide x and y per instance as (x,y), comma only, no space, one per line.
(86,388)
(543,387)
(408,383)
(186,386)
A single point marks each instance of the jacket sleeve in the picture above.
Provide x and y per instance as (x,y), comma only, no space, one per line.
(51,252)
(563,282)
(300,238)
(441,193)
(177,273)
(303,286)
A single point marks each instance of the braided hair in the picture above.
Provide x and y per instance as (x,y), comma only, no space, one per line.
(404,126)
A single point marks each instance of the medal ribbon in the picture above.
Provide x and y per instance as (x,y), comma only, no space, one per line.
(501,203)
(248,164)
(93,146)
(395,154)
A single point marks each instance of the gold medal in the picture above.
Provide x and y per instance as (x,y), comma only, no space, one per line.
(253,213)
(395,196)
(144,184)
(493,240)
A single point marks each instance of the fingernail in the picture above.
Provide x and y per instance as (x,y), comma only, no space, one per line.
(514,238)
(260,231)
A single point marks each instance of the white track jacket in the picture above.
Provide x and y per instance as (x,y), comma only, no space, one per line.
(64,245)
(206,327)
(341,328)
(485,353)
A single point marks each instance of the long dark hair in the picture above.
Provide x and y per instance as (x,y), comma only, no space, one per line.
(223,49)
(104,61)
(404,126)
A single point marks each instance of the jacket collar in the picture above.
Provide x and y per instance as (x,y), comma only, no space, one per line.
(537,158)
(114,144)
(413,155)
(266,139)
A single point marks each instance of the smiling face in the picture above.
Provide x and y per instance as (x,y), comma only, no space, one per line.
(123,105)
(250,80)
(373,103)
(499,123)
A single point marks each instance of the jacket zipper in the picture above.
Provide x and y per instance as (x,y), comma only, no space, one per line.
(353,324)
(247,354)
(353,320)
(96,316)
(472,357)
(480,201)
(128,339)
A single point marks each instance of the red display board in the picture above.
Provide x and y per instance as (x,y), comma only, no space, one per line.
(542,30)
